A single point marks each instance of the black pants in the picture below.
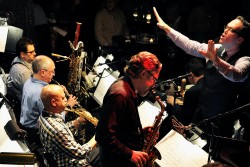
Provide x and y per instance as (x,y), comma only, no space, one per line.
(32,138)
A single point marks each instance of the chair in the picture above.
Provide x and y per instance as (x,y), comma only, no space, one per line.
(46,159)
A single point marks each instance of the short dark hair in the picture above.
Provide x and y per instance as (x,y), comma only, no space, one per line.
(196,66)
(245,34)
(245,31)
(22,43)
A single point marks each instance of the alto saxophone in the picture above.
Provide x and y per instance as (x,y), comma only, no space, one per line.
(85,114)
(149,139)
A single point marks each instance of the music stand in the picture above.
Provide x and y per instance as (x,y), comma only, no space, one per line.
(103,84)
(233,152)
(3,37)
(13,35)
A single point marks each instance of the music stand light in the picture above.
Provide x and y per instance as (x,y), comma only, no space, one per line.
(17,158)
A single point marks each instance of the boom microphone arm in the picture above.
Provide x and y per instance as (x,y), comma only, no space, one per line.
(171,80)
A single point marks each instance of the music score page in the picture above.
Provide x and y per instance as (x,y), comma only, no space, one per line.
(176,151)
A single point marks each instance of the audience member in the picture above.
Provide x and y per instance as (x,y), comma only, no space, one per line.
(203,22)
(20,71)
(23,13)
(227,66)
(31,105)
(57,136)
(42,30)
(174,16)
(109,22)
(119,132)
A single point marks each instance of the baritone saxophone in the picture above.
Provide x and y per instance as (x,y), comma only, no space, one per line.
(77,63)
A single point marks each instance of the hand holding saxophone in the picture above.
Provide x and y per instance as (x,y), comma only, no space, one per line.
(79,120)
(139,158)
(72,100)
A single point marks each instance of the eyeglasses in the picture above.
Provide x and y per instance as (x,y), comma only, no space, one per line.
(53,72)
(33,51)
(155,79)
(226,27)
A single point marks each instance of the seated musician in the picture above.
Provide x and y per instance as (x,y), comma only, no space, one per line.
(31,106)
(184,114)
(57,136)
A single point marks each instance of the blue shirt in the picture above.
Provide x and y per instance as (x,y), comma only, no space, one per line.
(31,104)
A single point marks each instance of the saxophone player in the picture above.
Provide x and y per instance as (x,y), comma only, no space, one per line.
(57,136)
(119,131)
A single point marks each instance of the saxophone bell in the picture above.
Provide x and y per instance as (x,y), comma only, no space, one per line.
(179,127)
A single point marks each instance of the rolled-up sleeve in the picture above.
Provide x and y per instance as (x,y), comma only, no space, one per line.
(237,72)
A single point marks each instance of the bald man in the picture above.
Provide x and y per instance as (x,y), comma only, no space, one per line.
(56,135)
(31,104)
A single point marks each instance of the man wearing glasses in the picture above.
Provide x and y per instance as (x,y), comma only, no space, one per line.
(227,69)
(119,132)
(31,105)
(20,71)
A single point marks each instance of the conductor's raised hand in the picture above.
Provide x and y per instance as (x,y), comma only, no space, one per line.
(211,52)
(160,23)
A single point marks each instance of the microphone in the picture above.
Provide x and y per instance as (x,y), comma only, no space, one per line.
(172,80)
(107,62)
(88,82)
(59,56)
(183,86)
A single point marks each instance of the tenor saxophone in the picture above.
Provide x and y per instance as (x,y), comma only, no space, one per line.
(85,114)
(149,139)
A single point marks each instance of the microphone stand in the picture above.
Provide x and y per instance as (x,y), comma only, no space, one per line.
(219,115)
(205,121)
(6,100)
(172,80)
(167,82)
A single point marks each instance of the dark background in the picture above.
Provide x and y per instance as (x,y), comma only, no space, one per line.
(65,14)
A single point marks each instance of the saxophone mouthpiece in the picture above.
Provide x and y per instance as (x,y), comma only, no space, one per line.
(59,56)
(71,45)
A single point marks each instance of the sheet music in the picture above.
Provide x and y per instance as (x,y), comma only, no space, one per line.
(98,69)
(176,151)
(3,37)
(148,112)
(105,81)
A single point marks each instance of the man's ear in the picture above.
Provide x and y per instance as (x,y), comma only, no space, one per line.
(22,54)
(143,73)
(240,39)
(53,102)
(192,75)
(42,72)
